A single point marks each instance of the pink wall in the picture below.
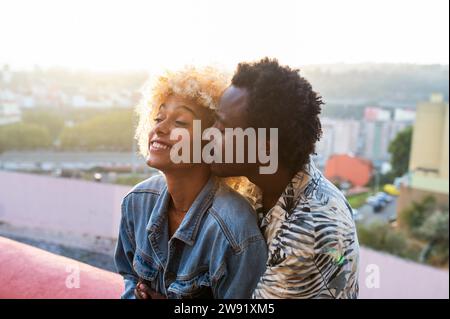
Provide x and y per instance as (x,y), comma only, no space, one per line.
(62,205)
(400,278)
(87,208)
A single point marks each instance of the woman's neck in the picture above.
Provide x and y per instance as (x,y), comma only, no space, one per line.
(185,184)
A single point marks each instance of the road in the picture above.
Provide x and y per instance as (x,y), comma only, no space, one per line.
(368,216)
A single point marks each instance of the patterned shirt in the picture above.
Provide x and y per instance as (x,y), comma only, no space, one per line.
(311,236)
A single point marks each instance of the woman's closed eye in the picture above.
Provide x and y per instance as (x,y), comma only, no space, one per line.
(181,123)
(158,120)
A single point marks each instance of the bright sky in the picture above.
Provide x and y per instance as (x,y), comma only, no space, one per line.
(148,34)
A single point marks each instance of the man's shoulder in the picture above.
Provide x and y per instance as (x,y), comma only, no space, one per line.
(321,194)
(324,214)
(328,196)
(321,205)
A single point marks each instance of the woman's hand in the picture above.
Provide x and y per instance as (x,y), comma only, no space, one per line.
(143,291)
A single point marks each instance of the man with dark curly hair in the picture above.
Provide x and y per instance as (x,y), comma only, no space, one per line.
(306,220)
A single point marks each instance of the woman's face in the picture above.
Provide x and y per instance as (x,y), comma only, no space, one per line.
(175,112)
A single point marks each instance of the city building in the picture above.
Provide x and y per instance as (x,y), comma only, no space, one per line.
(368,138)
(9,112)
(379,128)
(428,166)
(339,137)
(345,168)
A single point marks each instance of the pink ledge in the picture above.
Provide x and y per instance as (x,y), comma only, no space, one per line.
(32,273)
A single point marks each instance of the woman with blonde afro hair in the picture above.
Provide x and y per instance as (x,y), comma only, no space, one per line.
(185,233)
(201,86)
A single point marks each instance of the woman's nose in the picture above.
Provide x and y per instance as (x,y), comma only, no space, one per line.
(162,128)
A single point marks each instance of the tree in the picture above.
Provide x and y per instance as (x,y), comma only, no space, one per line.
(21,136)
(435,231)
(384,237)
(414,216)
(427,221)
(53,122)
(112,131)
(400,149)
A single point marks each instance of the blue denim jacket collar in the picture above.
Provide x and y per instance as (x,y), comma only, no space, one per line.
(188,229)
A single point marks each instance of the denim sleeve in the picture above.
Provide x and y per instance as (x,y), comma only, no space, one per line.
(124,254)
(241,271)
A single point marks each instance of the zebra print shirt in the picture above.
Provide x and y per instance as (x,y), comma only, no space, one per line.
(313,247)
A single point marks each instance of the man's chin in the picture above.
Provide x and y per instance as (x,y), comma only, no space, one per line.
(221,170)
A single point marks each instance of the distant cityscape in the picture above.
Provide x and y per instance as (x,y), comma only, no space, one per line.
(357,120)
(367,138)
(65,89)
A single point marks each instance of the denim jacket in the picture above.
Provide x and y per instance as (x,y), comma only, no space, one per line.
(218,250)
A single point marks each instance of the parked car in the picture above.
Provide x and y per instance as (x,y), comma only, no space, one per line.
(384,197)
(391,190)
(376,202)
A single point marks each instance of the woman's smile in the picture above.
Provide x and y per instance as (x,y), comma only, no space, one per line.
(158,146)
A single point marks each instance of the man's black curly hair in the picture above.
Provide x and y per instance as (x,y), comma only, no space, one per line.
(279,97)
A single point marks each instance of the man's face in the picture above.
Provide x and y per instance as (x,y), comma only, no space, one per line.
(232,113)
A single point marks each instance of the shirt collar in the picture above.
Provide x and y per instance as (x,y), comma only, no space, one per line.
(291,194)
